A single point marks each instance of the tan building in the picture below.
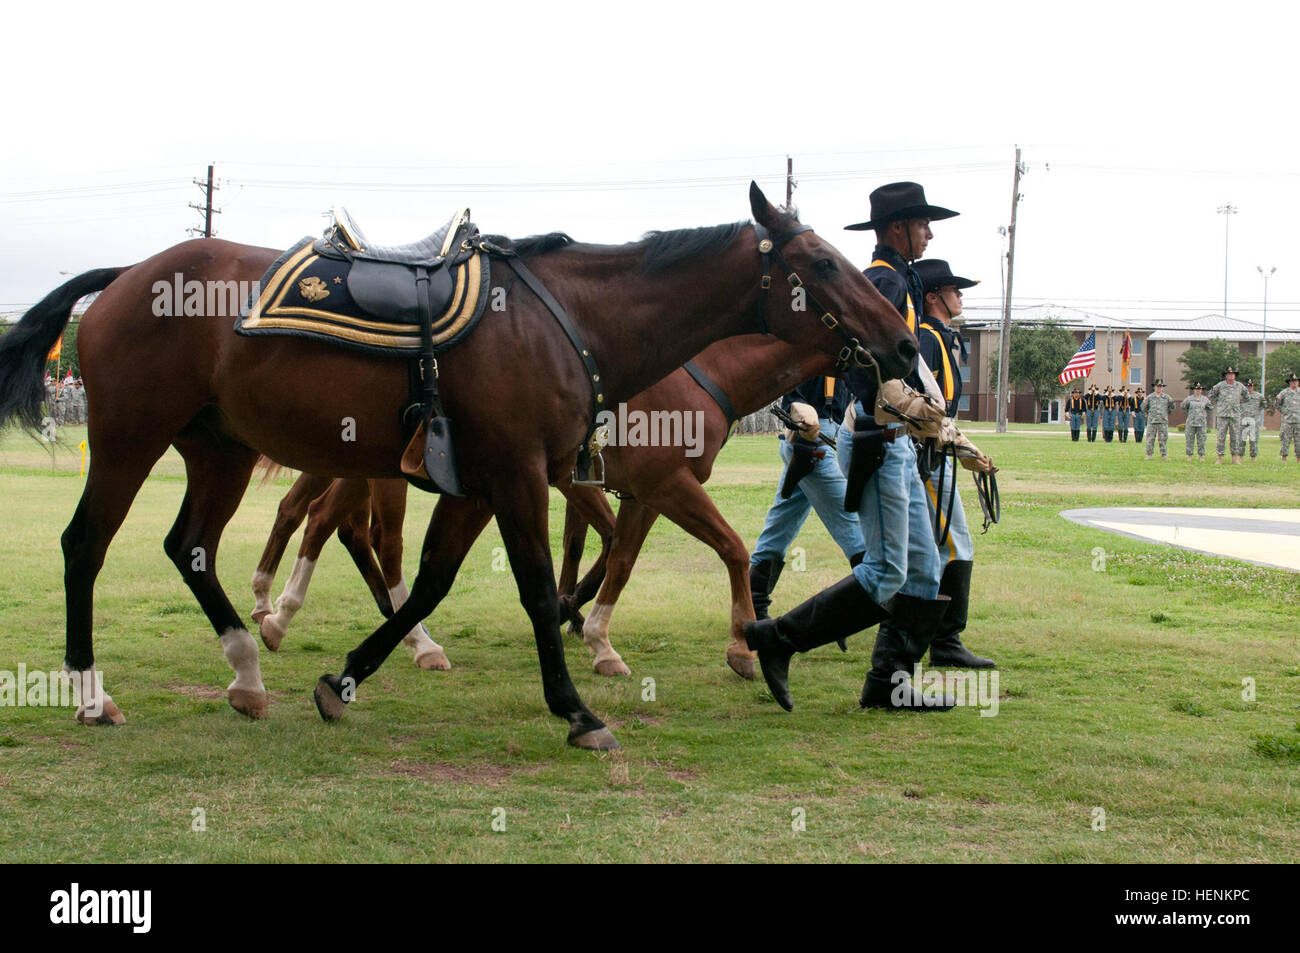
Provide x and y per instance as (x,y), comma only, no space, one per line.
(1157,344)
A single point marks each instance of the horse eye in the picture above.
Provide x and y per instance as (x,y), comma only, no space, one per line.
(824,267)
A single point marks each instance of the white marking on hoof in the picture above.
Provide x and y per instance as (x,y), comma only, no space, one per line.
(247,694)
(275,626)
(94,706)
(595,633)
(262,595)
(429,655)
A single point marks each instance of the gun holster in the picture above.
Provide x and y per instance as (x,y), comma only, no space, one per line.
(867,455)
(802,462)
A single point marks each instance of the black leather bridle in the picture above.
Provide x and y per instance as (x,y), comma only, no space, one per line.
(853,354)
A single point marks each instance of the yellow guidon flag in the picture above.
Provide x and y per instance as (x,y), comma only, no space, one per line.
(56,351)
(1126,355)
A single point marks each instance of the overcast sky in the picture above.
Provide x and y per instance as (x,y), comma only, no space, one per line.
(1137,121)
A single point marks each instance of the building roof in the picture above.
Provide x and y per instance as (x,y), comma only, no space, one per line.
(1160,328)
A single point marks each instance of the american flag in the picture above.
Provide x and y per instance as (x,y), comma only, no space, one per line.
(1082,362)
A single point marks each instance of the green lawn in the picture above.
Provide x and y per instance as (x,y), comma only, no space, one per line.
(1121,690)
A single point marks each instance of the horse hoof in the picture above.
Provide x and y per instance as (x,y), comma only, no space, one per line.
(612,666)
(272,634)
(110,714)
(602,739)
(743,663)
(260,614)
(434,660)
(328,701)
(247,702)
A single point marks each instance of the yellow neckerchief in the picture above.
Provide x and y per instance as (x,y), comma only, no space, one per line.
(911,309)
(828,389)
(949,388)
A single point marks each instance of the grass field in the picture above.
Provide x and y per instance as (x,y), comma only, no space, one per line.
(1122,690)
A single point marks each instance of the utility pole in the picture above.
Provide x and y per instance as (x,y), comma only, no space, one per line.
(206,208)
(789,182)
(1227,211)
(1263,373)
(1004,352)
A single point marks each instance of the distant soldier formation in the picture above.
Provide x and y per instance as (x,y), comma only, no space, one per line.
(1238,410)
(65,400)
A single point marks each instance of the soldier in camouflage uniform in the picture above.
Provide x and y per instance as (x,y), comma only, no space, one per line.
(1196,407)
(1288,405)
(1252,420)
(1155,409)
(1227,397)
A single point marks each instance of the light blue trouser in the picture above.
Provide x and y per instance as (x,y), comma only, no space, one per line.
(822,490)
(895,517)
(959,545)
(1094,419)
(1076,421)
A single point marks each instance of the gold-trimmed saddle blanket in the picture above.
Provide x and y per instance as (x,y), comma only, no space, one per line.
(340,290)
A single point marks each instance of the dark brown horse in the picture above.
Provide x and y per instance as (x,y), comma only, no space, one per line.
(516,391)
(752,371)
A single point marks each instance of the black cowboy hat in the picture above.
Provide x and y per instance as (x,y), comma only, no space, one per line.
(1291,377)
(1250,382)
(1230,370)
(1197,386)
(1160,382)
(935,274)
(897,202)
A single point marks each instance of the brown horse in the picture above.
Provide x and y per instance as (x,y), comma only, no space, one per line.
(752,371)
(369,516)
(516,390)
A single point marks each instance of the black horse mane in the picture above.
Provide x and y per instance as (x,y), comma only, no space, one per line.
(659,250)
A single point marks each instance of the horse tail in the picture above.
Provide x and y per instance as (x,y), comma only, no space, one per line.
(270,469)
(24,348)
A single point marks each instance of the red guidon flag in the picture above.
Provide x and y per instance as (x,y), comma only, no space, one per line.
(1082,362)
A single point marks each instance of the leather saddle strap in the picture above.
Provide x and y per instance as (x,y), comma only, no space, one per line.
(713,390)
(575,338)
(428,366)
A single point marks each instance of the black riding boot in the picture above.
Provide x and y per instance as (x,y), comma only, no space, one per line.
(1074,435)
(946,651)
(762,580)
(900,643)
(835,612)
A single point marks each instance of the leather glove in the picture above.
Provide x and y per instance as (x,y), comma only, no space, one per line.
(970,455)
(926,419)
(806,418)
(850,416)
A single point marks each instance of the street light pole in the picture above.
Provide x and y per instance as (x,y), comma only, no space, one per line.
(1263,373)
(1226,211)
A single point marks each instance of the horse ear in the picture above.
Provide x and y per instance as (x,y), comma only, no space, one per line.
(761,208)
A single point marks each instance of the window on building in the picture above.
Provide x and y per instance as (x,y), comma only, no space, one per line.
(1049,412)
(1137,346)
(964,402)
(1135,375)
(965,373)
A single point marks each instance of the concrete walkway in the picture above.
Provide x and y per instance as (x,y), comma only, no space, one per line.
(1264,537)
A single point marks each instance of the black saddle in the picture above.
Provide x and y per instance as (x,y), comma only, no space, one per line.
(382,278)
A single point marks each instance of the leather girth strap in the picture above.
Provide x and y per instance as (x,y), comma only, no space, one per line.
(582,470)
(717,393)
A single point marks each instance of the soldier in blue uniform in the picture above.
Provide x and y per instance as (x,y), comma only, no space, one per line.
(1076,409)
(1107,405)
(1092,400)
(902,567)
(944,351)
(810,479)
(1139,415)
